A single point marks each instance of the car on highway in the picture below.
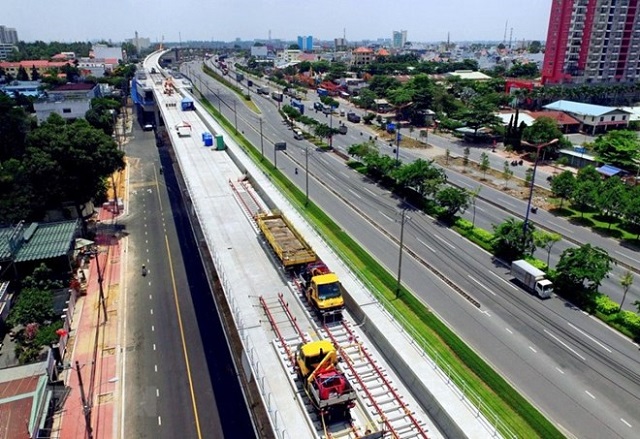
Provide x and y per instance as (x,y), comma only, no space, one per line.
(297,134)
(319,106)
(148,127)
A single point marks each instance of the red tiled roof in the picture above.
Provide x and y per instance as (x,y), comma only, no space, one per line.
(363,50)
(559,116)
(383,52)
(38,63)
(15,414)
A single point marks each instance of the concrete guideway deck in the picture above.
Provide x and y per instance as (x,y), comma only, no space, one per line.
(245,274)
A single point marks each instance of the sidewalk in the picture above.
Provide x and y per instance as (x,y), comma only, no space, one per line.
(94,342)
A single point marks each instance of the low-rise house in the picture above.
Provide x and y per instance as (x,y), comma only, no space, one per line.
(71,101)
(593,118)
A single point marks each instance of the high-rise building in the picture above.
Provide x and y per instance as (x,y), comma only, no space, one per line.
(305,43)
(592,41)
(8,35)
(399,38)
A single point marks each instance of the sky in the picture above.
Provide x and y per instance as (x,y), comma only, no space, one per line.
(226,20)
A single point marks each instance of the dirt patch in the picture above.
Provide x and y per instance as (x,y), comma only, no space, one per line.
(515,187)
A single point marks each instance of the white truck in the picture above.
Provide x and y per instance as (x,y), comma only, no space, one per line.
(532,278)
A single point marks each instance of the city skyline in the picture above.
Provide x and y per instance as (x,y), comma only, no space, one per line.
(463,20)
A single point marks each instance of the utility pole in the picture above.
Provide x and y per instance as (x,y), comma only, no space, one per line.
(331,126)
(235,116)
(306,171)
(104,303)
(261,142)
(533,179)
(398,142)
(403,220)
(275,157)
(86,408)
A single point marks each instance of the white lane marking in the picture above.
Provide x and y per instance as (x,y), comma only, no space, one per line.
(561,227)
(508,330)
(159,420)
(157,393)
(386,216)
(154,346)
(425,244)
(625,423)
(565,345)
(505,281)
(153,328)
(355,193)
(465,184)
(371,192)
(590,338)
(151,310)
(332,177)
(628,257)
(534,351)
(345,174)
(590,394)
(150,297)
(507,203)
(444,242)
(480,209)
(483,286)
(560,370)
(155,367)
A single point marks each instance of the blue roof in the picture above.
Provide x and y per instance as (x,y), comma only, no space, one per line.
(581,108)
(609,170)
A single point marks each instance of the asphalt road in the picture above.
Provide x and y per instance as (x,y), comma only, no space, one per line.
(580,373)
(177,365)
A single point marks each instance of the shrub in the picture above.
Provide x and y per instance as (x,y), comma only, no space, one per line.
(605,305)
(464,224)
(630,320)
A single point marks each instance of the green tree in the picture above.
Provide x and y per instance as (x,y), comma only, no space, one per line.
(632,209)
(585,195)
(485,164)
(535,46)
(454,200)
(465,156)
(563,185)
(421,176)
(528,176)
(507,173)
(546,241)
(362,150)
(69,162)
(611,198)
(619,148)
(35,74)
(22,74)
(523,70)
(479,114)
(544,130)
(510,241)
(366,100)
(32,306)
(588,173)
(582,268)
(15,124)
(323,130)
(625,282)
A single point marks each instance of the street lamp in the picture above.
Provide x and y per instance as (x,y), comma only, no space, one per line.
(96,253)
(261,142)
(404,218)
(306,171)
(533,179)
(86,407)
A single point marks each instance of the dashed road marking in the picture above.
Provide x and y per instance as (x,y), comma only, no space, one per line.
(590,394)
(151,310)
(534,351)
(508,330)
(565,345)
(444,241)
(155,367)
(483,286)
(386,216)
(371,192)
(590,338)
(157,393)
(153,328)
(425,244)
(560,370)
(154,346)
(159,420)
(355,193)
(625,423)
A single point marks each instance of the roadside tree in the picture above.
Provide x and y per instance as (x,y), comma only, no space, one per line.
(420,176)
(510,241)
(454,200)
(563,185)
(507,174)
(485,164)
(611,199)
(618,147)
(582,269)
(584,195)
(546,241)
(626,280)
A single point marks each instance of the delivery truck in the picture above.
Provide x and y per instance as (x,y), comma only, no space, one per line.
(532,278)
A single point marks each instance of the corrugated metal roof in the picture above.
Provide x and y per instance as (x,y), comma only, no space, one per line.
(608,170)
(581,108)
(38,240)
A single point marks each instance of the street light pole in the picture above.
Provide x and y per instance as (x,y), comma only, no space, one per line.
(403,220)
(261,142)
(533,179)
(398,143)
(235,116)
(86,408)
(306,171)
(331,128)
(102,300)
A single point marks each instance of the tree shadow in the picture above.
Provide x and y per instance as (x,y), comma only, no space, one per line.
(608,233)
(580,221)
(561,212)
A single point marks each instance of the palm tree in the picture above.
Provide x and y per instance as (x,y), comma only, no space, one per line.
(625,281)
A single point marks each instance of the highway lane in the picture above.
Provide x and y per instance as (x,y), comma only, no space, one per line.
(549,339)
(165,396)
(492,206)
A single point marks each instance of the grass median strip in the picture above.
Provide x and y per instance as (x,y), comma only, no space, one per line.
(493,395)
